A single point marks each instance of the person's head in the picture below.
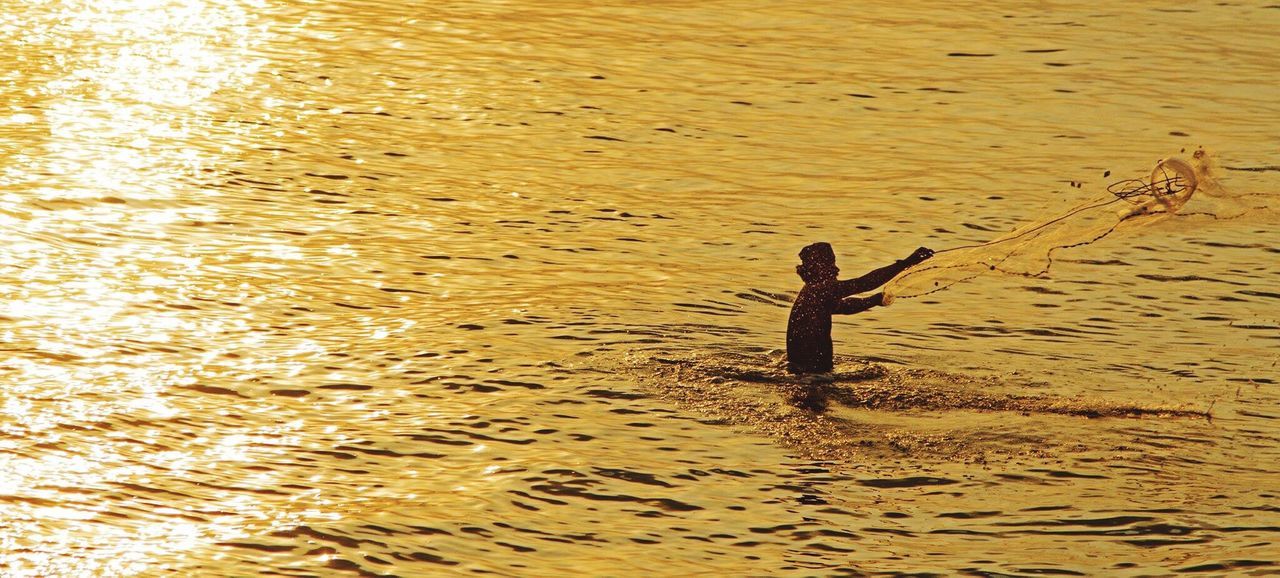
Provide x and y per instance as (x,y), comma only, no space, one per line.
(817,263)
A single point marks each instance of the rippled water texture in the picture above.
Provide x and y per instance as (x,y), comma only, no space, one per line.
(377,288)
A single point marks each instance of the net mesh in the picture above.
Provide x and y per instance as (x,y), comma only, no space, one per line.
(1176,189)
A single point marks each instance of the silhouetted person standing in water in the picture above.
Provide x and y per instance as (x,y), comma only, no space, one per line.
(823,295)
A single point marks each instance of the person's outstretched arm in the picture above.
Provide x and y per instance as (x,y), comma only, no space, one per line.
(882,275)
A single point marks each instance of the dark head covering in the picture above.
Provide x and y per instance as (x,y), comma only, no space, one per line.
(817,253)
(814,259)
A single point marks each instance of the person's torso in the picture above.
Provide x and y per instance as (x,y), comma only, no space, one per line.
(813,308)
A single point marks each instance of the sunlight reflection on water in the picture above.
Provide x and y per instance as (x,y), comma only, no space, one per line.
(317,288)
(118,92)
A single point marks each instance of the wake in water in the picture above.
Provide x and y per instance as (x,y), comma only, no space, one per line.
(1181,191)
(872,408)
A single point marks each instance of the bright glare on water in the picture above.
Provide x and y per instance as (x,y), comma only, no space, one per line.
(386,288)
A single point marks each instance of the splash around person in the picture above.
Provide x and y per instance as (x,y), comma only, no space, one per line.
(809,349)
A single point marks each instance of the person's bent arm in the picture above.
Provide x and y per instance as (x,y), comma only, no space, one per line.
(851,305)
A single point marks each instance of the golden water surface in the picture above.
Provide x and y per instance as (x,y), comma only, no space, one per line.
(298,288)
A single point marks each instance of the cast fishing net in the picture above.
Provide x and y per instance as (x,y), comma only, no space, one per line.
(1176,189)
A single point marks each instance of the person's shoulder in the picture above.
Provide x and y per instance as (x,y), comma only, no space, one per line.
(825,288)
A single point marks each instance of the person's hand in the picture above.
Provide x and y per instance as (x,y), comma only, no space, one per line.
(922,254)
(880,299)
